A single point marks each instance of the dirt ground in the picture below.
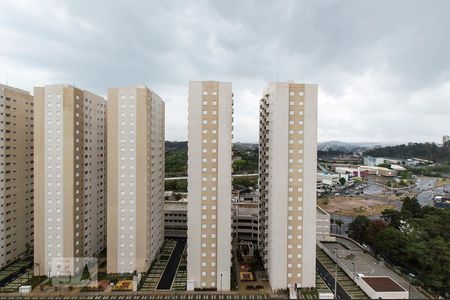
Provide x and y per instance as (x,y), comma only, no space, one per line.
(354,206)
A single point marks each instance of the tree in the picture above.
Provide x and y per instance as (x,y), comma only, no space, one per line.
(391,244)
(410,207)
(339,223)
(392,217)
(358,228)
(374,230)
(342,181)
(239,165)
(28,248)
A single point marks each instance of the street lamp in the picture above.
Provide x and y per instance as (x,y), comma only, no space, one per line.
(221,281)
(410,277)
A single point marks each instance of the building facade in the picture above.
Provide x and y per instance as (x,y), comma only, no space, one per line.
(245,220)
(445,139)
(175,219)
(287,176)
(210,109)
(136,117)
(70,181)
(16,174)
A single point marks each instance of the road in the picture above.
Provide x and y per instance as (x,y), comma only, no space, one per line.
(165,283)
(329,280)
(367,264)
(234,175)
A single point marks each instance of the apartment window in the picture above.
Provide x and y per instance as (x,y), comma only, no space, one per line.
(301,93)
(205,93)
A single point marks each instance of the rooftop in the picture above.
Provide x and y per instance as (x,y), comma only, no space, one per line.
(383,284)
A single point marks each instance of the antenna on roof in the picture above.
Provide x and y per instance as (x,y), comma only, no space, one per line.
(7,79)
(73,81)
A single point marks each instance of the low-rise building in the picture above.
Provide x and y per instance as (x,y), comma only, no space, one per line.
(381,287)
(245,222)
(175,219)
(376,161)
(323,226)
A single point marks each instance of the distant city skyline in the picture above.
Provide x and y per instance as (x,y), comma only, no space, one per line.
(382,66)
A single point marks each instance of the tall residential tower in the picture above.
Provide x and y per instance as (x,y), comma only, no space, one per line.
(135,178)
(70,177)
(16,173)
(287,176)
(209,184)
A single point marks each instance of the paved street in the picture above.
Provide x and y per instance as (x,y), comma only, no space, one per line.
(366,264)
(167,277)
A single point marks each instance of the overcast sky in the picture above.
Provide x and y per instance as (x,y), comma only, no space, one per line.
(383,67)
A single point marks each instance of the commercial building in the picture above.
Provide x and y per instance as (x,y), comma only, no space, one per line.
(70,181)
(135,178)
(210,108)
(16,173)
(288,179)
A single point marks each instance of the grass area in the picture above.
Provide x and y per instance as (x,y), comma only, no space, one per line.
(309,293)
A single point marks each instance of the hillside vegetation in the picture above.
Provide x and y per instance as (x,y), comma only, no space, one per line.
(427,151)
(176,158)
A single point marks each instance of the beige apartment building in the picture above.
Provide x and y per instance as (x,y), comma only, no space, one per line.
(136,154)
(70,178)
(210,109)
(16,173)
(287,175)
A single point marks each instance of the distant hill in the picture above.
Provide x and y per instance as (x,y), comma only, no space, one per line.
(429,151)
(171,146)
(337,145)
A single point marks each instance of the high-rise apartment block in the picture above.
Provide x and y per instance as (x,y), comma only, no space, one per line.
(70,177)
(445,139)
(16,173)
(210,109)
(135,178)
(287,175)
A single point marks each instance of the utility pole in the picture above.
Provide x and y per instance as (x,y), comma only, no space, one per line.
(336,275)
